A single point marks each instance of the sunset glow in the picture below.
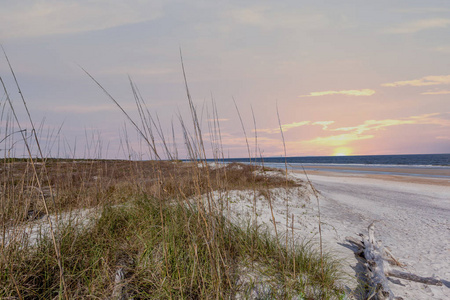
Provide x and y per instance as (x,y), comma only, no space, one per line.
(365,92)
(342,151)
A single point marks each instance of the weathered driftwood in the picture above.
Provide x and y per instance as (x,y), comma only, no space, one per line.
(413,277)
(377,266)
(355,242)
(392,260)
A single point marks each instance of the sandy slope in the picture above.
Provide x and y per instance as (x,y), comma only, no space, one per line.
(30,233)
(413,221)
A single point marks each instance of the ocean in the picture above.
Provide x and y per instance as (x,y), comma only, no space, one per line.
(427,165)
(381,160)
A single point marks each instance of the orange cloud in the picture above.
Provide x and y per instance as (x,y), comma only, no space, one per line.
(424,81)
(285,127)
(360,132)
(374,125)
(430,119)
(289,126)
(338,140)
(324,124)
(363,92)
(345,137)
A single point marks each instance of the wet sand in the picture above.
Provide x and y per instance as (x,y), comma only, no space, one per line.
(410,170)
(391,176)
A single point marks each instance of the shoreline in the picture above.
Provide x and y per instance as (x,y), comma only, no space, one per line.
(395,177)
(409,170)
(442,172)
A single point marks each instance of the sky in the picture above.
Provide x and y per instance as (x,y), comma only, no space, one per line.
(341,77)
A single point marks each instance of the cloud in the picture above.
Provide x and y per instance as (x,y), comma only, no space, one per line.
(367,129)
(339,140)
(285,127)
(340,137)
(289,126)
(324,124)
(37,18)
(374,125)
(436,93)
(426,119)
(364,92)
(424,81)
(420,25)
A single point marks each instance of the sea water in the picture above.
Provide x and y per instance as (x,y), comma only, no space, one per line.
(396,160)
(415,163)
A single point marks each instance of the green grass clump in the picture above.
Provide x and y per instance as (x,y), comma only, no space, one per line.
(164,253)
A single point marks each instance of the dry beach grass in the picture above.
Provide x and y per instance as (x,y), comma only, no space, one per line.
(166,242)
(144,229)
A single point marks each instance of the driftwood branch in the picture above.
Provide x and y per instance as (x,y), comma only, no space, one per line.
(393,261)
(413,277)
(355,242)
(377,263)
(376,266)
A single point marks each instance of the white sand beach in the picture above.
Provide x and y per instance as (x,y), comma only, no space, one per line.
(412,217)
